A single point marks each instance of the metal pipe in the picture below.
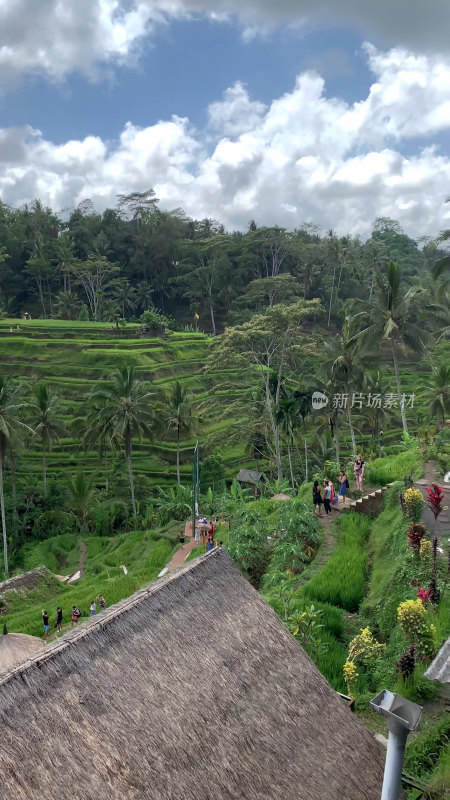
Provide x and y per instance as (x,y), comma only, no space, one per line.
(394,761)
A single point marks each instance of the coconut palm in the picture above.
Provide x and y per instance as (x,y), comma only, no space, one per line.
(436,392)
(179,416)
(124,293)
(387,319)
(48,427)
(12,431)
(83,496)
(123,411)
(67,305)
(144,294)
(346,370)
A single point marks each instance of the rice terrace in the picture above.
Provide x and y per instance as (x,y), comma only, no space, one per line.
(224,401)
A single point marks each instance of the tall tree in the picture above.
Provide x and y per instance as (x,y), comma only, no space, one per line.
(95,276)
(436,392)
(179,416)
(83,496)
(47,427)
(122,411)
(125,295)
(12,431)
(387,319)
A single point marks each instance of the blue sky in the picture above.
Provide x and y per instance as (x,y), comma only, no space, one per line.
(288,115)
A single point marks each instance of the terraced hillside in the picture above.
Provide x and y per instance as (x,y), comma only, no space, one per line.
(72,356)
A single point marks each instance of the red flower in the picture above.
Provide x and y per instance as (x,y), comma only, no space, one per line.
(423,594)
(435,498)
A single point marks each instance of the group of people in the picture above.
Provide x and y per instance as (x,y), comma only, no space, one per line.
(329,496)
(76,614)
(209,533)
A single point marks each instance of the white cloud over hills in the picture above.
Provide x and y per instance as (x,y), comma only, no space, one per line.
(303,157)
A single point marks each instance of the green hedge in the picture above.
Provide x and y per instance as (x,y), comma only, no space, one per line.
(341,581)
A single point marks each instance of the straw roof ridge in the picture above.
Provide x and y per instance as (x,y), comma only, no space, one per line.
(26,579)
(90,627)
(192,688)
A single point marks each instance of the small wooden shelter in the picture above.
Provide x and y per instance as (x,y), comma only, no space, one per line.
(251,479)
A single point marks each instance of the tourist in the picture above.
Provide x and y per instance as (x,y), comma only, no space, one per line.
(58,623)
(327,498)
(211,529)
(93,608)
(333,497)
(197,536)
(102,602)
(343,485)
(358,469)
(317,497)
(76,614)
(46,622)
(209,544)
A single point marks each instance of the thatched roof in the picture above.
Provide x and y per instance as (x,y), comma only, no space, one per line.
(249,476)
(190,689)
(439,669)
(281,496)
(15,648)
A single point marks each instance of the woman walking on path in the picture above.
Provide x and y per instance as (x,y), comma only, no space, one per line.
(317,497)
(327,498)
(93,608)
(343,485)
(358,469)
(58,623)
(101,602)
(76,614)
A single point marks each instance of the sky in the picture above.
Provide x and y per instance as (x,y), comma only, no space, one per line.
(283,112)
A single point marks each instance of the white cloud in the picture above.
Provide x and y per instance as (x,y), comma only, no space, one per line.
(305,157)
(57,37)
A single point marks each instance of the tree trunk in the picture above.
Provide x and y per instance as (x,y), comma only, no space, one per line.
(213,321)
(44,470)
(290,467)
(178,455)
(352,431)
(130,473)
(336,442)
(275,429)
(331,296)
(2,511)
(399,391)
(306,459)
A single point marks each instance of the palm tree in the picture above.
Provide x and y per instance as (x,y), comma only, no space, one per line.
(67,305)
(387,319)
(11,433)
(179,416)
(346,370)
(123,411)
(436,392)
(82,496)
(111,311)
(125,295)
(286,420)
(47,427)
(144,295)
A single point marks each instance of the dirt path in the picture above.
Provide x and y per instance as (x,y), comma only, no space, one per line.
(182,553)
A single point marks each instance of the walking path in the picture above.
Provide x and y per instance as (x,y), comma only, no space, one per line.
(442,528)
(182,553)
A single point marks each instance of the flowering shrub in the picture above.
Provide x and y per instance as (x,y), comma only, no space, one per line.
(435,498)
(364,647)
(406,663)
(423,594)
(413,502)
(416,532)
(350,675)
(425,551)
(412,617)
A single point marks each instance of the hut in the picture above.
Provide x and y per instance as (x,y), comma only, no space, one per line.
(251,479)
(15,648)
(190,689)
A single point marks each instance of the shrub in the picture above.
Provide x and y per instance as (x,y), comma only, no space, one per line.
(249,548)
(54,523)
(416,532)
(350,676)
(364,647)
(296,537)
(413,503)
(413,622)
(407,663)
